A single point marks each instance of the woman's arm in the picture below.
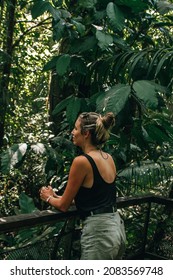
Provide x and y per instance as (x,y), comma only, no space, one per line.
(76,177)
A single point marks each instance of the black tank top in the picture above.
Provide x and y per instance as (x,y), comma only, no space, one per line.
(101,194)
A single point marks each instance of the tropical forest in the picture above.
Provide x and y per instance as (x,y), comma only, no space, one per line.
(59,58)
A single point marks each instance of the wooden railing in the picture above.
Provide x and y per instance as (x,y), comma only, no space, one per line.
(23,221)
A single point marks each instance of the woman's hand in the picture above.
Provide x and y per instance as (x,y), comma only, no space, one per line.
(46,192)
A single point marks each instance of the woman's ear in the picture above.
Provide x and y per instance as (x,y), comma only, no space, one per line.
(87,133)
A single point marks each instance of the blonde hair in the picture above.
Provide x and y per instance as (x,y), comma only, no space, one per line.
(99,126)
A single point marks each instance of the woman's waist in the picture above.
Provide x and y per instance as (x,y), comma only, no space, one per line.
(103,209)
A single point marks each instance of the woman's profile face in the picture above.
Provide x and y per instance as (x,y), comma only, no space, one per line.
(77,136)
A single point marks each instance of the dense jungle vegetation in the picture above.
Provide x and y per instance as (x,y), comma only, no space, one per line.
(62,57)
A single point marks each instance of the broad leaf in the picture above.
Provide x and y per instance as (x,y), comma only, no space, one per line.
(40,7)
(55,13)
(115,16)
(157,134)
(147,92)
(51,64)
(38,148)
(26,204)
(62,64)
(114,99)
(104,40)
(73,109)
(62,105)
(13,156)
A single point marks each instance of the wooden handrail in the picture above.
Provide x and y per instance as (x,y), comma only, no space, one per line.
(11,223)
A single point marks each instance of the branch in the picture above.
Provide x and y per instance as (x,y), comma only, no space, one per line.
(28,30)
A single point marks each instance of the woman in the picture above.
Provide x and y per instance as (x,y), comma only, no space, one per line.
(91,185)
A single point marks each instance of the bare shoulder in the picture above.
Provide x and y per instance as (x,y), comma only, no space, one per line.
(112,161)
(80,161)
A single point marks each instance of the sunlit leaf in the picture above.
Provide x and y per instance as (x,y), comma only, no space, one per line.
(38,148)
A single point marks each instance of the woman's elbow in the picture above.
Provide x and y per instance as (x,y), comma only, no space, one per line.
(63,208)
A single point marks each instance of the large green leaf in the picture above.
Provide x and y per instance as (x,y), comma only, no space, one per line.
(147,92)
(40,7)
(13,156)
(62,105)
(51,64)
(26,204)
(73,109)
(157,134)
(115,16)
(62,64)
(114,99)
(104,40)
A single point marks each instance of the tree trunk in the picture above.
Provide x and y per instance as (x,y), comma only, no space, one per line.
(7,44)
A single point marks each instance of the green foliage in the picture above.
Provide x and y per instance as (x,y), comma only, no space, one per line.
(116,17)
(13,156)
(26,204)
(31,236)
(150,95)
(106,57)
(114,99)
(70,57)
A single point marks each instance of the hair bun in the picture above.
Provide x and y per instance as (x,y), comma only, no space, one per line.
(108,120)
